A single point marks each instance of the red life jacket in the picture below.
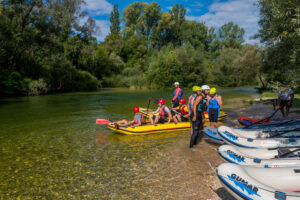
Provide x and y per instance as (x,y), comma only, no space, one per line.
(162,112)
(182,111)
(135,118)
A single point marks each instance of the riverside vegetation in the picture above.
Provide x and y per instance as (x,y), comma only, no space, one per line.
(50,46)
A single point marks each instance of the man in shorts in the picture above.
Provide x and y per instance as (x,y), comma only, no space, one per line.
(164,115)
(285,98)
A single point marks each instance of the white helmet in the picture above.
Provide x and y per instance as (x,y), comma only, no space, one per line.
(205,87)
(176,83)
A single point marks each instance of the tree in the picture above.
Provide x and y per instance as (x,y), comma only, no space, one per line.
(178,16)
(230,36)
(195,33)
(279,22)
(115,21)
(163,33)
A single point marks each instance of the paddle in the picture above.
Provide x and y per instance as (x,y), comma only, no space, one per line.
(264,119)
(287,153)
(102,121)
(286,122)
(284,132)
(150,98)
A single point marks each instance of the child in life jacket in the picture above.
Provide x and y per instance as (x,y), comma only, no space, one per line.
(182,112)
(137,120)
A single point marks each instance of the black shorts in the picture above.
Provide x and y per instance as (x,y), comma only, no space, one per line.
(175,103)
(285,103)
(213,114)
(161,119)
(184,119)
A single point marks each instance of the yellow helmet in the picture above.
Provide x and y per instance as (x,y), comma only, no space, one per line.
(196,88)
(212,91)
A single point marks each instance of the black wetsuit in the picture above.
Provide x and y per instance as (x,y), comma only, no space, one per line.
(197,125)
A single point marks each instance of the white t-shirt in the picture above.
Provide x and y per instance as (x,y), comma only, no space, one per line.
(286,95)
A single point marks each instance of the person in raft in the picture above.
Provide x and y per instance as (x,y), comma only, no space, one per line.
(214,102)
(178,92)
(137,120)
(164,115)
(198,117)
(191,103)
(285,98)
(182,112)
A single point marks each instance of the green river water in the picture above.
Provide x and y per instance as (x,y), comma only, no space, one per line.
(51,148)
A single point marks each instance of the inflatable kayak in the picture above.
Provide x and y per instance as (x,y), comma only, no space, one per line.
(149,128)
(245,182)
(285,157)
(250,122)
(143,111)
(230,137)
(255,134)
(212,134)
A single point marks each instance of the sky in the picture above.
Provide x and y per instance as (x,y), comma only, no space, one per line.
(213,13)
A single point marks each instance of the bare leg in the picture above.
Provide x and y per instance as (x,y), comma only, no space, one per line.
(179,119)
(287,111)
(123,122)
(156,119)
(216,125)
(282,111)
(151,119)
(175,119)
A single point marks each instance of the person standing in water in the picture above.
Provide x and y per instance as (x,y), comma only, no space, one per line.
(198,118)
(191,103)
(178,92)
(214,102)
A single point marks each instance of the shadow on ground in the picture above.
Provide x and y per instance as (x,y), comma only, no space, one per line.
(224,194)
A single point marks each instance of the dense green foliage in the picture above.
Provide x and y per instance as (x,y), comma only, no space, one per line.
(158,48)
(48,46)
(43,47)
(280,32)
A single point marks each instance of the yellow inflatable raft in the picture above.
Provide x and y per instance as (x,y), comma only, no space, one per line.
(143,111)
(149,128)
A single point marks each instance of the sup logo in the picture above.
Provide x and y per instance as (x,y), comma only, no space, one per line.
(244,185)
(235,156)
(233,137)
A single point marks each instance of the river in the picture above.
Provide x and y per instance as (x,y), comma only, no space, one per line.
(51,148)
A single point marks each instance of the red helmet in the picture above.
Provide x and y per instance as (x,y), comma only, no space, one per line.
(136,109)
(182,101)
(162,101)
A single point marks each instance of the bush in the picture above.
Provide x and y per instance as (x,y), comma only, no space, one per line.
(12,83)
(37,87)
(183,64)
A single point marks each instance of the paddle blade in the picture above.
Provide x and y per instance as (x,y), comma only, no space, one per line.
(102,121)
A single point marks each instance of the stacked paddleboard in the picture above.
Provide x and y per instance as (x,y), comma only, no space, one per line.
(262,162)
